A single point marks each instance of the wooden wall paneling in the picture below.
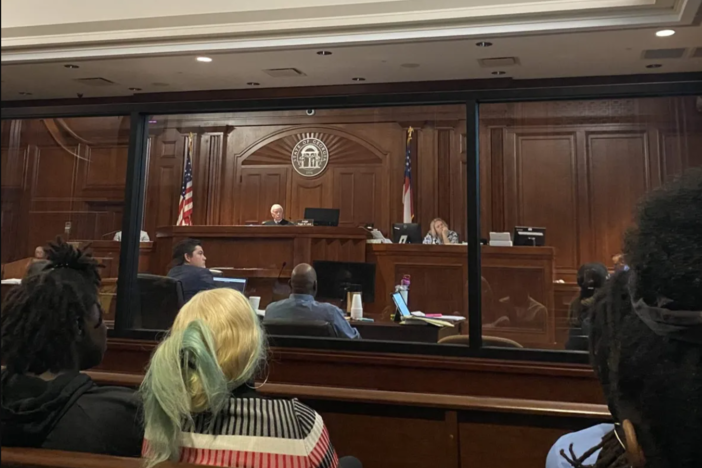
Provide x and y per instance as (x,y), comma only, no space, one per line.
(679,150)
(310,193)
(492,173)
(165,176)
(619,175)
(444,192)
(215,143)
(102,173)
(541,183)
(13,192)
(259,188)
(427,201)
(459,181)
(357,193)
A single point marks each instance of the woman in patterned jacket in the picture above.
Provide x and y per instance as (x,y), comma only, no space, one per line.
(199,404)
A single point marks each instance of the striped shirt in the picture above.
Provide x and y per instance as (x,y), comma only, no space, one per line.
(255,432)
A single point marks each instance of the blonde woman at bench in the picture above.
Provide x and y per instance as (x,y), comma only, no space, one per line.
(200,405)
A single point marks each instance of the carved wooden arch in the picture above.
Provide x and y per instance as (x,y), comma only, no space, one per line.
(275,149)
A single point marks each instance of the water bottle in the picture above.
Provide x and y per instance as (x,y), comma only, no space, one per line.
(404,288)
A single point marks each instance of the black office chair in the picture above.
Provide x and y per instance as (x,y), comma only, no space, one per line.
(160,298)
(288,327)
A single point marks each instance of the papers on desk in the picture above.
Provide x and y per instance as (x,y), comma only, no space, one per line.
(449,318)
(500,239)
(12,281)
(436,322)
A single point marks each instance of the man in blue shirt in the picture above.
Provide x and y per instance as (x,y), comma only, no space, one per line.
(302,306)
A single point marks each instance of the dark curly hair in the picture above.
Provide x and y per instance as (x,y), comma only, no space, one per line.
(656,376)
(186,246)
(43,317)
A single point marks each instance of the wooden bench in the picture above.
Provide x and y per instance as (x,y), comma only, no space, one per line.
(389,429)
(15,457)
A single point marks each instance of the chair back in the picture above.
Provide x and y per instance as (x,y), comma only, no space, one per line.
(497,341)
(160,298)
(289,327)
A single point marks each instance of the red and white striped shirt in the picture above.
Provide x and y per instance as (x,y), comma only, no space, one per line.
(255,432)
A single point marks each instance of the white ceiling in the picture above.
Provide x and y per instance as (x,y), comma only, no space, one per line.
(540,56)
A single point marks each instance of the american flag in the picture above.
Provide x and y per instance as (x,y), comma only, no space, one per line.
(185,205)
(408,207)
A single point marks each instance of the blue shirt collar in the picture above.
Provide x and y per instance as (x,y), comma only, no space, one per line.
(302,297)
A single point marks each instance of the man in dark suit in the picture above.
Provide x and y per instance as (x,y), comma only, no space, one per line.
(277,213)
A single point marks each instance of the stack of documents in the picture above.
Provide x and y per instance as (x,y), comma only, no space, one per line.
(500,239)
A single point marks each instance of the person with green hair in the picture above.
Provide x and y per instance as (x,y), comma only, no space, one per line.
(200,405)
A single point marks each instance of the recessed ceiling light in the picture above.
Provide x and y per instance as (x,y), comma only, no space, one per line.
(71,66)
(665,33)
(410,65)
(483,44)
(323,52)
(134,89)
(204,59)
(654,65)
(499,73)
(358,78)
(25,93)
(253,83)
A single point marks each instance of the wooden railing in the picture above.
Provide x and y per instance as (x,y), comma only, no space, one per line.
(14,457)
(424,400)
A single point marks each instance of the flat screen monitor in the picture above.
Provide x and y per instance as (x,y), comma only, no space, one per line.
(336,279)
(234,283)
(413,231)
(529,236)
(323,216)
(401,305)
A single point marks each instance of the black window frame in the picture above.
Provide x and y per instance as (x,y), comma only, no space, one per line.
(139,112)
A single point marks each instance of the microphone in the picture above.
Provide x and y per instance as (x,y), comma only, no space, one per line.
(280,290)
(111,233)
(281,271)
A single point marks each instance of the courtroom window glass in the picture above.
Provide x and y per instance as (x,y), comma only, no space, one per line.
(561,180)
(63,177)
(266,191)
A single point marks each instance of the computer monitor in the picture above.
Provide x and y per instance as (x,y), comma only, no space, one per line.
(529,236)
(234,283)
(323,216)
(336,279)
(413,231)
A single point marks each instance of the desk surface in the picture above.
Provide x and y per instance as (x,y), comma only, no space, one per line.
(391,331)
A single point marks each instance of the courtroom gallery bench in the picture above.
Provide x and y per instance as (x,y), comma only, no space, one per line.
(390,429)
(15,457)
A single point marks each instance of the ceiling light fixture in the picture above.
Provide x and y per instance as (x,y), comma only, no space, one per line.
(665,33)
(71,66)
(134,89)
(253,83)
(25,93)
(654,65)
(483,44)
(204,59)
(358,78)
(323,52)
(499,73)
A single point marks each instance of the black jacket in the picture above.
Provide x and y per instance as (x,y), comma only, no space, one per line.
(194,279)
(70,413)
(283,222)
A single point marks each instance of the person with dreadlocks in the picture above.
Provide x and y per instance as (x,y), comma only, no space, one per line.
(52,329)
(646,342)
(591,277)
